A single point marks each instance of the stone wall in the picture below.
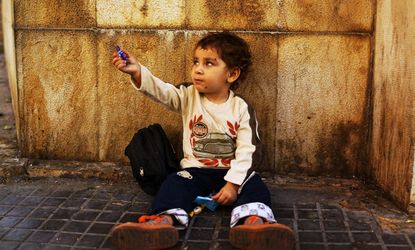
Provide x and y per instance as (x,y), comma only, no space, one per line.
(393,137)
(310,82)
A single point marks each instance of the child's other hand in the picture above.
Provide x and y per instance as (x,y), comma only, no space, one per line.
(130,66)
(227,195)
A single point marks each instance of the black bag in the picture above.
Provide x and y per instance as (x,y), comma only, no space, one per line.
(152,158)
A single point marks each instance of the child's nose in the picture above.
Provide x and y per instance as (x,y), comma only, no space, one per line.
(199,69)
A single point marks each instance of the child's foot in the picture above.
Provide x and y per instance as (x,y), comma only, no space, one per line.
(151,232)
(255,234)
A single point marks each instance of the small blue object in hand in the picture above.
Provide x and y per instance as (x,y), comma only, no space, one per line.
(207,202)
(121,53)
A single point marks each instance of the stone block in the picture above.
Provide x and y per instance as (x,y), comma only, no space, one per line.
(325,15)
(282,15)
(232,14)
(58,94)
(55,13)
(142,13)
(392,150)
(260,90)
(123,109)
(321,104)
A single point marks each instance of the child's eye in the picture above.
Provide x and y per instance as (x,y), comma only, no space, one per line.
(195,62)
(209,63)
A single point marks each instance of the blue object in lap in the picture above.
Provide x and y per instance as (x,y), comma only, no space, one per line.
(207,202)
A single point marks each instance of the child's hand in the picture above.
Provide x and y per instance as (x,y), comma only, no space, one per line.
(131,66)
(227,195)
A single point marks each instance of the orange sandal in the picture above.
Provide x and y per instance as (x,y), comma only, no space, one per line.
(255,234)
(152,232)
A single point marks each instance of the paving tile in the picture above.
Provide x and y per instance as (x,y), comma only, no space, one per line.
(102,194)
(20,211)
(225,221)
(124,195)
(11,199)
(96,204)
(42,192)
(223,234)
(399,247)
(42,212)
(86,215)
(139,207)
(53,225)
(53,202)
(5,209)
(9,221)
(31,201)
(284,213)
(65,238)
(310,236)
(308,224)
(365,237)
(41,236)
(61,193)
(30,246)
(305,214)
(76,226)
(17,235)
(334,225)
(306,205)
(337,237)
(91,241)
(83,194)
(332,214)
(64,213)
(30,223)
(56,247)
(205,222)
(359,226)
(24,191)
(118,206)
(73,203)
(3,231)
(9,244)
(308,246)
(201,234)
(100,228)
(340,247)
(109,216)
(368,247)
(197,245)
(398,239)
(224,245)
(412,237)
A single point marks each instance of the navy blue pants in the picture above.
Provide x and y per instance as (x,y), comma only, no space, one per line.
(180,192)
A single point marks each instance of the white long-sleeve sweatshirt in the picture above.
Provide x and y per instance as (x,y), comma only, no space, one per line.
(214,135)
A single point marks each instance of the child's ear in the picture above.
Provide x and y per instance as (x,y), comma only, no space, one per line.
(234,74)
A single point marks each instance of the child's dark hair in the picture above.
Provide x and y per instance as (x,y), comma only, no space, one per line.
(232,49)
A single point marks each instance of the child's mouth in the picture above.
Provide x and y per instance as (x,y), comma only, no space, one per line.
(198,81)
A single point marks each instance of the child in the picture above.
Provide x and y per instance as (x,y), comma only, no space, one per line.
(220,138)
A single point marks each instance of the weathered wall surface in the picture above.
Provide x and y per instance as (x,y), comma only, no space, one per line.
(309,82)
(393,137)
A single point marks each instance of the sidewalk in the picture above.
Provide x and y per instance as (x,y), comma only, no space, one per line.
(64,213)
(78,213)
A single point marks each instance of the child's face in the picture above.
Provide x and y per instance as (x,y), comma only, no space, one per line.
(210,75)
